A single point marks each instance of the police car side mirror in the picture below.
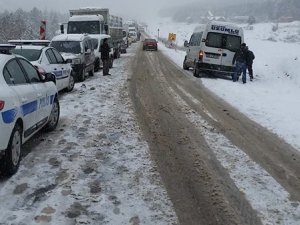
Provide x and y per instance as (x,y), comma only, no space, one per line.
(186,44)
(49,77)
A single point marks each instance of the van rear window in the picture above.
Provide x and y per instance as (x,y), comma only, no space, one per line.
(225,41)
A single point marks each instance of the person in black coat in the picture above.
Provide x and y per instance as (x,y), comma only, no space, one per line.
(105,50)
(250,58)
(240,61)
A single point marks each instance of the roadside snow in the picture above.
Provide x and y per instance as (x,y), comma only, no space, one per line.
(271,100)
(94,169)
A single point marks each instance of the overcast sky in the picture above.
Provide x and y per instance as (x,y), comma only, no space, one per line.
(136,8)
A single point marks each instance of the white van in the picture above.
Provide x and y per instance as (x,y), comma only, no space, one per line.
(78,48)
(97,40)
(211,48)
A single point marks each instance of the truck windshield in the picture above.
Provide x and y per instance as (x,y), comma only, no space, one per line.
(83,27)
(30,54)
(225,41)
(67,46)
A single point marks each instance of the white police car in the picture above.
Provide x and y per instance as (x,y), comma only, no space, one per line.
(47,60)
(28,102)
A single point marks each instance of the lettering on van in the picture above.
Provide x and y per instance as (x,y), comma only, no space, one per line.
(225,29)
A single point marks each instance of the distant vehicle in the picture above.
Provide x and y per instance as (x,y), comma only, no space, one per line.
(150,44)
(92,20)
(97,40)
(79,49)
(47,60)
(28,103)
(211,48)
(133,36)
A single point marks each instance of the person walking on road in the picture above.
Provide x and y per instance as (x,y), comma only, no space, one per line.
(250,58)
(240,61)
(105,49)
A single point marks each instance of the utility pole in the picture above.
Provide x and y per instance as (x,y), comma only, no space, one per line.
(158,34)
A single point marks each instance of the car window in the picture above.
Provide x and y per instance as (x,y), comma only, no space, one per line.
(15,72)
(58,56)
(51,57)
(31,72)
(30,54)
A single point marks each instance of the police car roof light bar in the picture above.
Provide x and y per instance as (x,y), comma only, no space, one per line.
(5,48)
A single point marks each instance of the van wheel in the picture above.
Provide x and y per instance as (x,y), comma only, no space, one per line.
(97,65)
(196,72)
(71,83)
(10,162)
(82,76)
(54,116)
(185,67)
(91,73)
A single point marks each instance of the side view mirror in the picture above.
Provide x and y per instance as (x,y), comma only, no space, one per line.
(89,51)
(68,61)
(49,77)
(186,44)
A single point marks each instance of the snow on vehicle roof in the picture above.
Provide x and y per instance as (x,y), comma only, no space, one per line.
(30,42)
(99,36)
(86,18)
(70,37)
(37,47)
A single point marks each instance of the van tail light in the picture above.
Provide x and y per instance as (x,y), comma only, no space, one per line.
(201,54)
(2,104)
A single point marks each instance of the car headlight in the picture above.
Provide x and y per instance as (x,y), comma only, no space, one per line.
(76,61)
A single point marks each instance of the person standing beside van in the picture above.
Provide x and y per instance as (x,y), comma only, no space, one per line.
(250,58)
(105,49)
(240,61)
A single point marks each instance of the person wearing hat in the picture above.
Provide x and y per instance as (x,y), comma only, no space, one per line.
(105,49)
(240,61)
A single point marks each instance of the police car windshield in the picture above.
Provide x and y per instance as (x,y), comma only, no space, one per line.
(225,41)
(30,54)
(67,46)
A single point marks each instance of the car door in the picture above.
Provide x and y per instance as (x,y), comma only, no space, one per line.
(55,68)
(64,67)
(42,95)
(27,95)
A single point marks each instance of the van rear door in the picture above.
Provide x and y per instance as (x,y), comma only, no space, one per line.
(231,44)
(213,49)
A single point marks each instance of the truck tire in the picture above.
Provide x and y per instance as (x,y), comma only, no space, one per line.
(10,162)
(97,65)
(82,75)
(91,72)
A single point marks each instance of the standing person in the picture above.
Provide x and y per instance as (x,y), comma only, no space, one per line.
(240,58)
(105,49)
(250,58)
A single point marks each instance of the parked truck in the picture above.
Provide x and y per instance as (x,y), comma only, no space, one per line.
(96,22)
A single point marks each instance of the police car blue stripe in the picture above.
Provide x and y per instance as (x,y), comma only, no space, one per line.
(29,107)
(9,115)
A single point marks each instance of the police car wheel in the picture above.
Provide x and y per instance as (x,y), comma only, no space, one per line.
(12,157)
(71,83)
(54,116)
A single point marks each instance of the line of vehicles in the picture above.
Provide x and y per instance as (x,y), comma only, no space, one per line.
(32,72)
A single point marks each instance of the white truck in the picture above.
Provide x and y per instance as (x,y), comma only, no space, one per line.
(97,21)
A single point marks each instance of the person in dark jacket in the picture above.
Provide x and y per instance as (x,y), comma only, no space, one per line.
(240,61)
(250,58)
(105,49)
